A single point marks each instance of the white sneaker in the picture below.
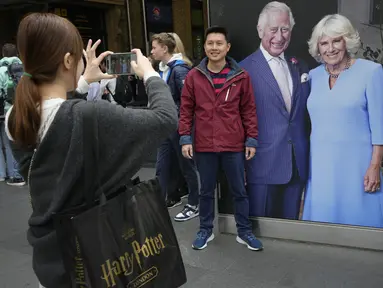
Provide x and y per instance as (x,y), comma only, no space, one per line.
(19,182)
(188,213)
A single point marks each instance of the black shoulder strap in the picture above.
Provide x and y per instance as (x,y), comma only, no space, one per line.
(90,153)
(110,92)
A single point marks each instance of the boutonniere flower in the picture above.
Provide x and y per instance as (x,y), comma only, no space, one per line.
(294,61)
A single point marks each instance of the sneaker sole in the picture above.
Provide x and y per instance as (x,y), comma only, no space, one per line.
(211,238)
(186,219)
(17,184)
(240,241)
(184,197)
(175,205)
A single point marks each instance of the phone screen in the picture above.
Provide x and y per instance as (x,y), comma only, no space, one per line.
(119,63)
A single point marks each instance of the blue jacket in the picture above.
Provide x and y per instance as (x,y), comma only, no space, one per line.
(178,71)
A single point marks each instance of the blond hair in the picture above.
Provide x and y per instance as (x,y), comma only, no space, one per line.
(334,26)
(166,39)
(181,49)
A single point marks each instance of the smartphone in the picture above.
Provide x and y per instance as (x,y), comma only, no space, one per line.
(119,63)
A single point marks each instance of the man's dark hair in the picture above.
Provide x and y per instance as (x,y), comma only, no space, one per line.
(9,50)
(219,30)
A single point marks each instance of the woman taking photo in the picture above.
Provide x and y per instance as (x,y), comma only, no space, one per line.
(51,50)
(346,111)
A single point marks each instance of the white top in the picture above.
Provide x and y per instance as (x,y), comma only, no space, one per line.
(83,88)
(48,113)
(275,69)
(165,69)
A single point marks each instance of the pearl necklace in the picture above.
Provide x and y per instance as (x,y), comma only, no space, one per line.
(335,76)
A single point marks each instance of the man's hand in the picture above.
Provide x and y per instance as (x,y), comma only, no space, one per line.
(250,153)
(187,151)
(93,72)
(142,65)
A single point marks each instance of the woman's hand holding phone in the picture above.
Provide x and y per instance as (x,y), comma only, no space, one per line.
(92,71)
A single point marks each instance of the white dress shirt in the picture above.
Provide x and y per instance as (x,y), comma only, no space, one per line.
(274,67)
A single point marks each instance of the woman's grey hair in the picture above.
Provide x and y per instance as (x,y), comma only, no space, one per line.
(270,8)
(334,26)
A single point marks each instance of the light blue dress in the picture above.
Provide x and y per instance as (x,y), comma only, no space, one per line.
(346,121)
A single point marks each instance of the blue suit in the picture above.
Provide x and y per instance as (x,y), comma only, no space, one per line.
(277,174)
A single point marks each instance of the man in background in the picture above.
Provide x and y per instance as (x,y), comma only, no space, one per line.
(10,71)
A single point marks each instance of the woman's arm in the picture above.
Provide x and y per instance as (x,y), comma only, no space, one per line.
(374,97)
(128,136)
(82,86)
(377,155)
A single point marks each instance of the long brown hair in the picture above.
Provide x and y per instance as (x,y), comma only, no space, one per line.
(43,39)
(181,49)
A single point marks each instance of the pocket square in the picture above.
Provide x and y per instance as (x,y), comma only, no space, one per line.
(305,77)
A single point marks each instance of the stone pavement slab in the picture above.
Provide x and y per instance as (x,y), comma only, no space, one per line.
(224,264)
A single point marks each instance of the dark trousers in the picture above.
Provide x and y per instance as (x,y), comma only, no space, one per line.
(233,165)
(277,201)
(170,163)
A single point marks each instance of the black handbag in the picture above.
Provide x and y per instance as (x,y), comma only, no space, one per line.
(121,240)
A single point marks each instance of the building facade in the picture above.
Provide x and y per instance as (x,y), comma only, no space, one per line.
(187,18)
(95,19)
(120,24)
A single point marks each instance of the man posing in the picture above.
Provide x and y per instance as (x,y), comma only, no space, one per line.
(173,71)
(276,177)
(218,95)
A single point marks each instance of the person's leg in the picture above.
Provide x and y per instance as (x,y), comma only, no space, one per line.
(191,209)
(189,172)
(12,166)
(3,165)
(257,199)
(163,166)
(175,174)
(292,196)
(274,201)
(183,188)
(233,164)
(207,164)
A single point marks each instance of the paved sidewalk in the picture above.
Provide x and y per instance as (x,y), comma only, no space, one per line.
(224,264)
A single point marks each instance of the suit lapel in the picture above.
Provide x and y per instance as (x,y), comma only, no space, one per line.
(294,71)
(265,71)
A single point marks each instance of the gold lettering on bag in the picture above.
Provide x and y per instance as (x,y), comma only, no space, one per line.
(144,278)
(79,267)
(152,246)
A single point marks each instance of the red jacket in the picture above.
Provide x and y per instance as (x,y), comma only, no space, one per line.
(226,122)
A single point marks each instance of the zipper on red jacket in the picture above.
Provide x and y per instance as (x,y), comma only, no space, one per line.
(227,93)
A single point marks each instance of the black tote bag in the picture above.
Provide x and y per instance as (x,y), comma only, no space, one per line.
(129,241)
(124,240)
